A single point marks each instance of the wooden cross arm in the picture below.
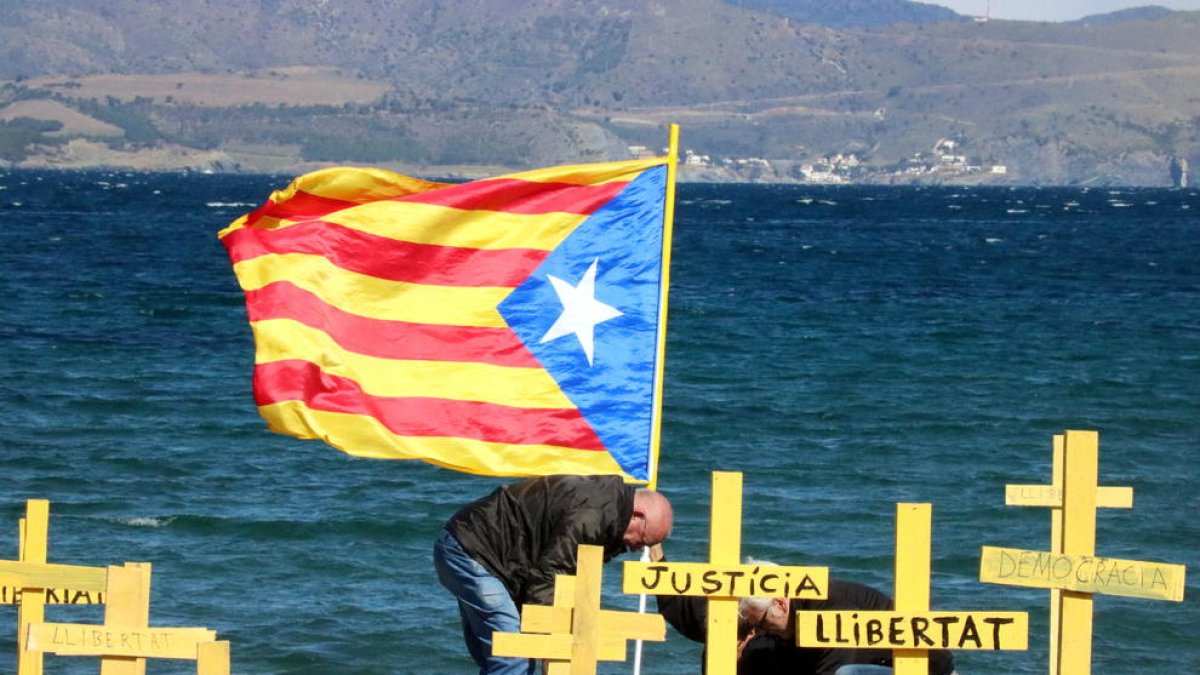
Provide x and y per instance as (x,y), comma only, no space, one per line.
(627,625)
(725,580)
(45,575)
(916,631)
(558,647)
(1082,573)
(67,639)
(1051,497)
(212,658)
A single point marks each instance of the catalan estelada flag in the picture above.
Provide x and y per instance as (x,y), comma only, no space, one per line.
(506,326)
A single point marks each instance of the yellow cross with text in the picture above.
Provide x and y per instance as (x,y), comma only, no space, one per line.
(723,580)
(1071,569)
(911,630)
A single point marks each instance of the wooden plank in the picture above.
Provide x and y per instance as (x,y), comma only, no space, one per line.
(11,595)
(556,647)
(212,658)
(585,620)
(730,580)
(724,548)
(136,642)
(627,625)
(35,537)
(974,630)
(1051,497)
(18,575)
(1081,458)
(564,590)
(1082,574)
(129,607)
(1057,470)
(914,541)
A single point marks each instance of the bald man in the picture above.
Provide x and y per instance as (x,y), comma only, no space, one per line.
(504,550)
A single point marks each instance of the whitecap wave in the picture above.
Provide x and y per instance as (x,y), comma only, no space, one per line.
(147,521)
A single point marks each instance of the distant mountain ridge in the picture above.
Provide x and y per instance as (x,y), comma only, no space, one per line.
(854,13)
(517,84)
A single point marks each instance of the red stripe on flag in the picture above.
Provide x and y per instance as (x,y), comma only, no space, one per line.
(390,259)
(389,339)
(517,196)
(303,381)
(298,206)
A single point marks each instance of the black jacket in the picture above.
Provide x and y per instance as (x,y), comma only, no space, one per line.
(769,655)
(526,533)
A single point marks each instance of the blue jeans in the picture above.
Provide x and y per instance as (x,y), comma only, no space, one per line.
(483,603)
(862,669)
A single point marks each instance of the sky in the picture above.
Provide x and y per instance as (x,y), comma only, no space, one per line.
(1053,10)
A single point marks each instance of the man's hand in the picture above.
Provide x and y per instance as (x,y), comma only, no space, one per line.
(656,553)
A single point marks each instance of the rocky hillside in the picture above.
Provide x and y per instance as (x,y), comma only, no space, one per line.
(481,84)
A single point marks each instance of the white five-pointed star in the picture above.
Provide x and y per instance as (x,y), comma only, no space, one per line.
(581,311)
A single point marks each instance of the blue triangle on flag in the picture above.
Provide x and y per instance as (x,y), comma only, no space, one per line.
(615,393)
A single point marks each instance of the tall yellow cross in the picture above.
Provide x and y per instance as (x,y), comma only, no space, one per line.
(1051,496)
(911,630)
(723,580)
(574,634)
(1071,565)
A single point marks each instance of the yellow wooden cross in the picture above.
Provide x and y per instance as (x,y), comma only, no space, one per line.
(1071,565)
(1050,496)
(48,585)
(34,535)
(574,634)
(125,640)
(723,580)
(912,629)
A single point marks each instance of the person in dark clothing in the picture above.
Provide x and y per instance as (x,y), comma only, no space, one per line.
(766,631)
(504,550)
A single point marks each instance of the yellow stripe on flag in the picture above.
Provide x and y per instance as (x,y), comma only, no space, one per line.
(356,184)
(373,297)
(588,174)
(364,436)
(285,339)
(445,226)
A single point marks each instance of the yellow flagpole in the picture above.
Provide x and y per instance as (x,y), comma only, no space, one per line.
(664,286)
(656,427)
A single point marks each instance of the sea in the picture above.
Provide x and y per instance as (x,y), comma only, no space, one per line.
(846,348)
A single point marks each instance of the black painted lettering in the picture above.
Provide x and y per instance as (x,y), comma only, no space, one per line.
(919,624)
(807,584)
(709,583)
(874,631)
(657,570)
(733,575)
(945,622)
(997,622)
(768,579)
(969,632)
(821,629)
(687,582)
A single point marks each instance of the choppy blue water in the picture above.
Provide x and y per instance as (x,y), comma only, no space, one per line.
(846,348)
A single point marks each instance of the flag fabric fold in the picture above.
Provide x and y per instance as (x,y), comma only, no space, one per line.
(505,326)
